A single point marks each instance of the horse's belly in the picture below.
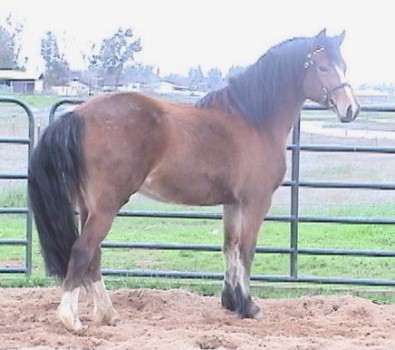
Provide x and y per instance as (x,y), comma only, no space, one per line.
(194,190)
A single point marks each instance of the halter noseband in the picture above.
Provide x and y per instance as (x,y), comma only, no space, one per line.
(327,93)
(328,100)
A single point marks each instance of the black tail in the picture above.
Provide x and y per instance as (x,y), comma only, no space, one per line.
(56,174)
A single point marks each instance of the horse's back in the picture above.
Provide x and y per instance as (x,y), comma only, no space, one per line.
(124,135)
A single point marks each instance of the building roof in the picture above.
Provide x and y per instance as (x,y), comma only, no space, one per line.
(11,74)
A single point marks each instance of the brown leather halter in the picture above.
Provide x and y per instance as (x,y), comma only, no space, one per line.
(327,93)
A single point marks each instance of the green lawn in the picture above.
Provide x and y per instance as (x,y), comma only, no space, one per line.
(35,100)
(273,234)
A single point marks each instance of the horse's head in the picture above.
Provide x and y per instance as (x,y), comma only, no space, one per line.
(325,81)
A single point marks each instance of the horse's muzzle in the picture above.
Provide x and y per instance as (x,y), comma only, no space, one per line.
(351,113)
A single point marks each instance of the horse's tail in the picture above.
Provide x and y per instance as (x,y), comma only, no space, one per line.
(56,176)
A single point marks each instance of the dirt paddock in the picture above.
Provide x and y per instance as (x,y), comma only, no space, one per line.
(176,319)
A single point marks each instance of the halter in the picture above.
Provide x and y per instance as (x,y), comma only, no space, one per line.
(327,93)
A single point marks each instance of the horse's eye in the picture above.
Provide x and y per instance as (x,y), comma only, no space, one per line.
(323,69)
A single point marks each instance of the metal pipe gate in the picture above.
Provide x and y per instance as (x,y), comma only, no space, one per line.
(29,142)
(294,219)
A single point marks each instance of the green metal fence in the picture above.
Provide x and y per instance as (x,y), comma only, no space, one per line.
(294,218)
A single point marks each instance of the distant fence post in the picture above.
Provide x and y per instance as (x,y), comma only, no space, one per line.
(294,225)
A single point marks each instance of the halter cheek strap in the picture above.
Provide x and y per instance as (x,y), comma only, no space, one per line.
(327,93)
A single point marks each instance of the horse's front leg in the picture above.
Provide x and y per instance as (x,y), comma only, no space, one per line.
(241,226)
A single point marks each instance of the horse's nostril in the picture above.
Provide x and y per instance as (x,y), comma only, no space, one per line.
(349,113)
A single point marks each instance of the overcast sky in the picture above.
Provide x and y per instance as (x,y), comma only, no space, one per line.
(178,34)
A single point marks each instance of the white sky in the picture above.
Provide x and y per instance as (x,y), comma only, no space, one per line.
(178,34)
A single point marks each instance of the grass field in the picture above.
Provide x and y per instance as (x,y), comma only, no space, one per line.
(274,234)
(317,166)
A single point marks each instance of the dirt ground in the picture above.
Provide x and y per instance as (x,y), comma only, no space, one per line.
(176,319)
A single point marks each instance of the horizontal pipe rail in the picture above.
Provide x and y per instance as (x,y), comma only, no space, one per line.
(281,218)
(265,278)
(343,149)
(15,140)
(5,210)
(345,185)
(11,241)
(259,249)
(217,216)
(11,270)
(13,176)
(309,184)
(378,109)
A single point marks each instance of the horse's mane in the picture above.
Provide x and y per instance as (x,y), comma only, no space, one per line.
(256,92)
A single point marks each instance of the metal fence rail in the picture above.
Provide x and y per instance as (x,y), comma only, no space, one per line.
(294,219)
(29,142)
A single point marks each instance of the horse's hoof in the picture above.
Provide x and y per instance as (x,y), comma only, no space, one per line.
(255,311)
(110,319)
(249,310)
(70,321)
(258,315)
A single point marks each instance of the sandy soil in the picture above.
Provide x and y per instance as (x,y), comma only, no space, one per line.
(176,319)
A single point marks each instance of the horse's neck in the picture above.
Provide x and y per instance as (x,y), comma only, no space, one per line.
(219,99)
(286,114)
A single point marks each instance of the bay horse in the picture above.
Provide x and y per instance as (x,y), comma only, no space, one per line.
(228,149)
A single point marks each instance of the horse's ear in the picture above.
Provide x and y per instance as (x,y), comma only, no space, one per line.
(340,37)
(319,39)
(321,34)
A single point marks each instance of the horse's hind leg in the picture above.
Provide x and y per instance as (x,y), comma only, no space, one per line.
(103,310)
(241,226)
(83,252)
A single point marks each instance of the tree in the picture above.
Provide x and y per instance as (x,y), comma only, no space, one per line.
(176,79)
(235,70)
(56,67)
(196,78)
(10,47)
(140,73)
(214,79)
(115,53)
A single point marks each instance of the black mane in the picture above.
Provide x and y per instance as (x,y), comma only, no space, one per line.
(256,92)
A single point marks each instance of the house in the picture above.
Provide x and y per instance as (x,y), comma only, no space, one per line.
(161,87)
(20,81)
(372,97)
(72,88)
(167,88)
